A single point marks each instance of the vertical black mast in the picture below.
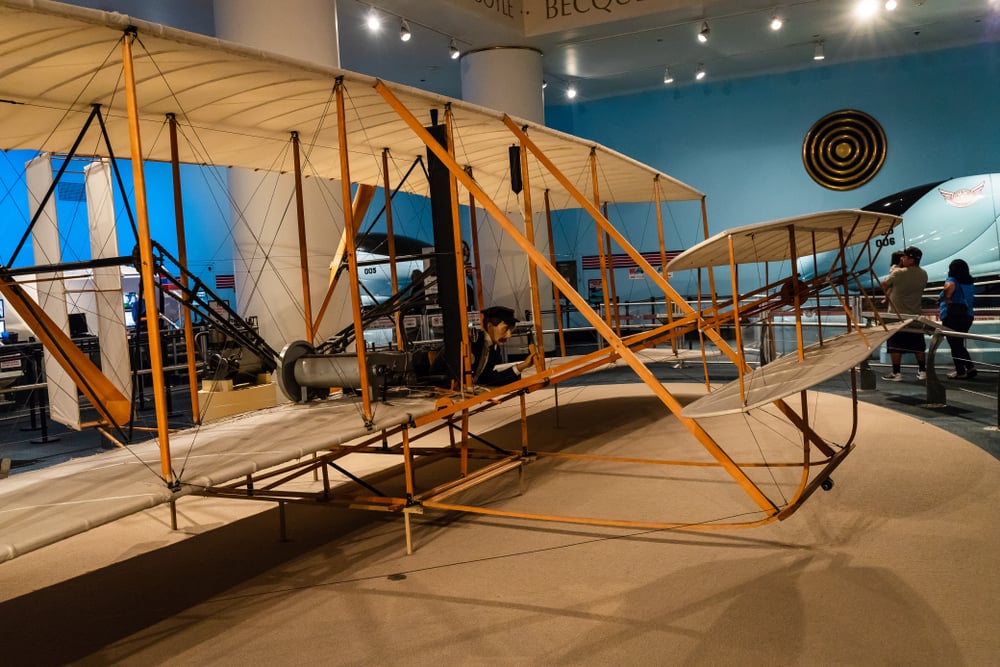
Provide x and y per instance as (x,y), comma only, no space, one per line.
(444,250)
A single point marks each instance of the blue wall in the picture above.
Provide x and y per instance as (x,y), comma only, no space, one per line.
(206,213)
(740,142)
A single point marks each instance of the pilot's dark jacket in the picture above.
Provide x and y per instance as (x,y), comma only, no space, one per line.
(485,359)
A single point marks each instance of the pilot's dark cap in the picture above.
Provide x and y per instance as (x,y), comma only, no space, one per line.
(913,252)
(501,313)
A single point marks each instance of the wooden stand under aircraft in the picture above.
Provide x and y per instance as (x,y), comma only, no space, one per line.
(241,104)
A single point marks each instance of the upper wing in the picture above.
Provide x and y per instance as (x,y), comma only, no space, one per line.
(242,104)
(772,241)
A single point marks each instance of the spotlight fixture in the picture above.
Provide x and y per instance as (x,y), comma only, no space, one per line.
(571,92)
(776,22)
(818,54)
(866,9)
(699,73)
(667,76)
(705,30)
(890,5)
(372,20)
(404,31)
(453,51)
(545,84)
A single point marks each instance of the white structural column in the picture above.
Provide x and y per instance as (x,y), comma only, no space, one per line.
(265,228)
(107,281)
(64,407)
(509,79)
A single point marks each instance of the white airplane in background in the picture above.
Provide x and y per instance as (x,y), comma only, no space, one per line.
(954,219)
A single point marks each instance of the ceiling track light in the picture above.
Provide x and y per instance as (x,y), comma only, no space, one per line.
(571,92)
(699,73)
(667,76)
(866,9)
(890,5)
(818,53)
(404,31)
(453,51)
(704,33)
(372,20)
(776,22)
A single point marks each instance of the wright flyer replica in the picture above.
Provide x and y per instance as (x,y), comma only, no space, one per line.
(358,426)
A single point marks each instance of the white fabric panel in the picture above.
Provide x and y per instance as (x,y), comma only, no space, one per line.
(788,375)
(770,241)
(107,280)
(41,507)
(64,406)
(245,101)
(267,266)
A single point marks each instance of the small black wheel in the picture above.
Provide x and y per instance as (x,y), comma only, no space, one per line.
(826,484)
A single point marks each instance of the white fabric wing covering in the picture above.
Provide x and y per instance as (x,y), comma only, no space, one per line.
(237,107)
(771,241)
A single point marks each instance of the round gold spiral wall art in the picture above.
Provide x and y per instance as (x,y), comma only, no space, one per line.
(844,150)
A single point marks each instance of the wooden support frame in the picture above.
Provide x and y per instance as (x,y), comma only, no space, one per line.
(146,261)
(539,260)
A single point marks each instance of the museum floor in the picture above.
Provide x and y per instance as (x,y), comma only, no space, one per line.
(895,565)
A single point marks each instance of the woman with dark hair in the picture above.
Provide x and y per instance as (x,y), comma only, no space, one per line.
(955,307)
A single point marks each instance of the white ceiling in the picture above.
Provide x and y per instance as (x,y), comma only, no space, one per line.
(627,56)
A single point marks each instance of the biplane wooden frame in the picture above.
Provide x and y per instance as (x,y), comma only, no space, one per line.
(790,239)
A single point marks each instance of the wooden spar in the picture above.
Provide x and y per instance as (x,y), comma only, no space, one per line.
(735,277)
(663,255)
(636,256)
(300,217)
(851,321)
(556,299)
(350,249)
(476,261)
(600,240)
(612,285)
(701,341)
(464,455)
(463,306)
(661,282)
(390,236)
(711,271)
(362,200)
(104,396)
(602,328)
(819,303)
(149,280)
(529,233)
(796,302)
(175,169)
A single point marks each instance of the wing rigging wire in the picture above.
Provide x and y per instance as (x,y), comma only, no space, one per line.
(63,233)
(267,260)
(230,230)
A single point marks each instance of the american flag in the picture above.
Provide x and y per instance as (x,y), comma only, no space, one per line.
(623,261)
(167,283)
(225,281)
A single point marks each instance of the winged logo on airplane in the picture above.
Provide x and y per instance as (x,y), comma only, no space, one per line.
(964,197)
